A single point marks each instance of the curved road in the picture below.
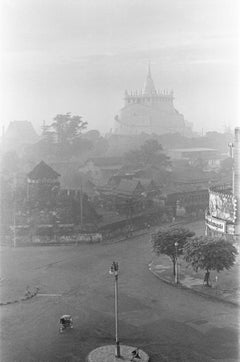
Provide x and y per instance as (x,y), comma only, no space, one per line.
(170,324)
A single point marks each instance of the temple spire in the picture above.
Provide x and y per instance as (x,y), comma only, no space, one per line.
(149,70)
(149,87)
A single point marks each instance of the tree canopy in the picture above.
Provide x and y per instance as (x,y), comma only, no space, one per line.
(149,154)
(209,253)
(164,242)
(67,127)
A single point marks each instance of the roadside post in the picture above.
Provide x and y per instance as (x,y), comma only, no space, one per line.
(114,271)
(176,265)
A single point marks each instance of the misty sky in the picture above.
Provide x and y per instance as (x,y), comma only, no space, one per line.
(79,56)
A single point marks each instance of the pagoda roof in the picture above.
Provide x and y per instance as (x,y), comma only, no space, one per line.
(129,187)
(149,87)
(43,171)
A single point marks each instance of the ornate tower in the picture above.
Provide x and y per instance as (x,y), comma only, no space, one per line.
(149,88)
(149,111)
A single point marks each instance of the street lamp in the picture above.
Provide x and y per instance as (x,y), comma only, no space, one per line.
(176,261)
(114,271)
(14,210)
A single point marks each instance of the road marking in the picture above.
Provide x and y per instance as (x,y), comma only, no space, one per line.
(49,295)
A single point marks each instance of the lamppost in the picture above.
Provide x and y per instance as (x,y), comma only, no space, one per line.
(176,262)
(14,210)
(114,271)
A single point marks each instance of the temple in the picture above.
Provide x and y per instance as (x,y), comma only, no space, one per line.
(150,111)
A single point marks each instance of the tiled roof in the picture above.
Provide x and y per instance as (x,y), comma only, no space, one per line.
(147,183)
(128,186)
(41,171)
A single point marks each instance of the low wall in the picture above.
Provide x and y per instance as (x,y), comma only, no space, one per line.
(59,240)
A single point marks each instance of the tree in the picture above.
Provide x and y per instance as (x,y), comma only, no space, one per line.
(164,242)
(209,253)
(67,127)
(150,154)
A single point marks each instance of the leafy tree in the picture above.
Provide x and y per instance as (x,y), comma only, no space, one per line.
(164,242)
(67,127)
(149,154)
(209,253)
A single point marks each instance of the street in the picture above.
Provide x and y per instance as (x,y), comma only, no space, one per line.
(170,324)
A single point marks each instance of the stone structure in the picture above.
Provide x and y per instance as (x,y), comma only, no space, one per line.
(150,111)
(223,214)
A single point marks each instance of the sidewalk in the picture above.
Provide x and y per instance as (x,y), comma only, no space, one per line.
(224,285)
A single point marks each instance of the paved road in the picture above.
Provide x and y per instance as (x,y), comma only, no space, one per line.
(168,323)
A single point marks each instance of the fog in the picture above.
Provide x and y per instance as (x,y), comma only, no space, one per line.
(79,56)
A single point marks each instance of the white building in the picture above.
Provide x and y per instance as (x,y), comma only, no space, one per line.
(150,111)
(223,215)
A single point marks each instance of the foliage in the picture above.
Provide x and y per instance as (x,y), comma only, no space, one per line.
(164,242)
(149,154)
(209,253)
(67,127)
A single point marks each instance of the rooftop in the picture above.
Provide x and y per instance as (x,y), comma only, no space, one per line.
(128,186)
(43,171)
(22,131)
(193,149)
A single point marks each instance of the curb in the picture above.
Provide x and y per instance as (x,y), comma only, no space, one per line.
(107,353)
(21,299)
(191,290)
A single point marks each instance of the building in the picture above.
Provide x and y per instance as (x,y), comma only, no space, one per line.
(100,169)
(222,217)
(18,134)
(209,158)
(150,111)
(42,184)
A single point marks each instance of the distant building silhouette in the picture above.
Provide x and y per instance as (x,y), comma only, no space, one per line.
(150,111)
(19,133)
(43,184)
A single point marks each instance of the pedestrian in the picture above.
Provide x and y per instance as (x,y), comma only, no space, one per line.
(135,354)
(207,278)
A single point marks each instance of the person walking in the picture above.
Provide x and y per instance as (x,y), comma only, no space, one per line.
(207,278)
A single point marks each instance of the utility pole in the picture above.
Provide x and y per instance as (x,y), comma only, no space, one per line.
(114,271)
(14,210)
(176,262)
(81,207)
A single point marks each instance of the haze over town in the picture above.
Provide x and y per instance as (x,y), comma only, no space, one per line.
(119,181)
(80,56)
